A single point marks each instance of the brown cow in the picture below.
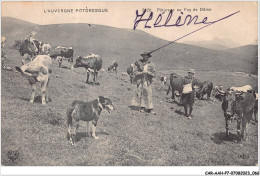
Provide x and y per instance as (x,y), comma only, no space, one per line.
(63,53)
(204,88)
(113,67)
(92,63)
(240,104)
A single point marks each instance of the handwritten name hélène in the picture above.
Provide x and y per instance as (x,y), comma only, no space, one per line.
(157,21)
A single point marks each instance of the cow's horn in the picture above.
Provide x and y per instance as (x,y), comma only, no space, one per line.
(221,91)
(238,93)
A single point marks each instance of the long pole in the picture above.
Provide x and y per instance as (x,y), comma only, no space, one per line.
(193,32)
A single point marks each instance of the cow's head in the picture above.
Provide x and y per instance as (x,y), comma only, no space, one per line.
(106,103)
(218,92)
(229,103)
(198,89)
(78,62)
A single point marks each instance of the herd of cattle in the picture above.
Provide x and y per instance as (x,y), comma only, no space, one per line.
(238,103)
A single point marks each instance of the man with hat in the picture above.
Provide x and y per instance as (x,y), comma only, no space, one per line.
(31,40)
(191,73)
(145,72)
(188,93)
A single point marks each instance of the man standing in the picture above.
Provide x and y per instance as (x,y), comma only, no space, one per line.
(31,40)
(188,93)
(146,72)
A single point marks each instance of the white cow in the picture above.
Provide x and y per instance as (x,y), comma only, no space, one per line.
(38,70)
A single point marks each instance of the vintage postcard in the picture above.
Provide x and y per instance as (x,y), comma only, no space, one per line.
(129,84)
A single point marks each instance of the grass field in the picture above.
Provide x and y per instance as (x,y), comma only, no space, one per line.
(37,133)
(127,137)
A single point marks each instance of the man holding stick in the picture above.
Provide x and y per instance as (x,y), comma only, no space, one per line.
(145,72)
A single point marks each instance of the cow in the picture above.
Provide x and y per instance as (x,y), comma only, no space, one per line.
(63,53)
(163,80)
(204,88)
(38,70)
(130,72)
(240,104)
(113,66)
(28,48)
(177,84)
(45,49)
(92,63)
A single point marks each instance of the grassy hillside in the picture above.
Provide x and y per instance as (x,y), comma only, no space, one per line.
(126,137)
(249,51)
(126,46)
(14,29)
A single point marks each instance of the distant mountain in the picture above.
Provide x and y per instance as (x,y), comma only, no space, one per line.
(246,51)
(216,44)
(209,45)
(126,45)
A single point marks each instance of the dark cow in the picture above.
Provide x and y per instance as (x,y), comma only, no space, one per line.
(240,105)
(63,53)
(113,66)
(130,72)
(92,63)
(177,84)
(28,48)
(204,88)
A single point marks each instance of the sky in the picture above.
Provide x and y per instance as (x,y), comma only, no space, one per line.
(241,28)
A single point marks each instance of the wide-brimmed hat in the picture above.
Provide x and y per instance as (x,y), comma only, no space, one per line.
(145,54)
(191,71)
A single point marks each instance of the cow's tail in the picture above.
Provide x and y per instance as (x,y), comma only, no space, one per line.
(18,69)
(69,113)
